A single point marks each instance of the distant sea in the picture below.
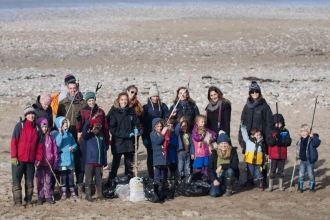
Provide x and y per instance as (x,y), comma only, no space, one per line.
(37,4)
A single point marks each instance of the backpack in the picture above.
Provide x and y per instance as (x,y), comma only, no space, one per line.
(54,103)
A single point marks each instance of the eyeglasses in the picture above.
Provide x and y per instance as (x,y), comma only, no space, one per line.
(132,92)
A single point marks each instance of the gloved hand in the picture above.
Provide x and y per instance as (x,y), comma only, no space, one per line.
(131,135)
(79,118)
(136,131)
(37,164)
(14,161)
(145,142)
(55,165)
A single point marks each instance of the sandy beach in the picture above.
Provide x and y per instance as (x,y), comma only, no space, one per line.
(285,49)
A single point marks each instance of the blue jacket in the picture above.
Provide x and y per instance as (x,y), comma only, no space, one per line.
(96,147)
(157,142)
(180,143)
(311,151)
(63,142)
(172,148)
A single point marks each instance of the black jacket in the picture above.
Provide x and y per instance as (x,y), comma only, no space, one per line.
(225,115)
(212,166)
(260,117)
(121,124)
(41,113)
(189,111)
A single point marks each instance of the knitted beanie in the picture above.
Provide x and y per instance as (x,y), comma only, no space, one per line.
(90,95)
(28,109)
(69,78)
(42,122)
(45,98)
(153,91)
(254,87)
(223,138)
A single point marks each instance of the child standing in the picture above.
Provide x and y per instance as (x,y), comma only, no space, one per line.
(203,139)
(50,157)
(254,154)
(307,153)
(25,149)
(159,140)
(278,140)
(171,150)
(185,148)
(66,146)
(96,157)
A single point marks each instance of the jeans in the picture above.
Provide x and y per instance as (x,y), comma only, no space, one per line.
(302,170)
(128,160)
(255,170)
(67,178)
(215,190)
(184,163)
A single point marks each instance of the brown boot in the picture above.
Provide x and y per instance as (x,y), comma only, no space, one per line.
(81,193)
(28,193)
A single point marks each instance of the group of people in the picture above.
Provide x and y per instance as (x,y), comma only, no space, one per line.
(178,139)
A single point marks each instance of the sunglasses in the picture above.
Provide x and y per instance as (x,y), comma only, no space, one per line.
(132,92)
(252,92)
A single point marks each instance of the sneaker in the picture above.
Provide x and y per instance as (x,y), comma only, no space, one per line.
(63,196)
(50,200)
(40,201)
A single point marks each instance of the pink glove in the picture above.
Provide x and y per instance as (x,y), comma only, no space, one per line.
(55,165)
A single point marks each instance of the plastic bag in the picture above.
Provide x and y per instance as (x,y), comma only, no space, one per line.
(136,190)
(155,192)
(123,192)
(194,185)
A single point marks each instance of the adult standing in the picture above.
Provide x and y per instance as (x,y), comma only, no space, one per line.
(90,111)
(134,103)
(69,108)
(123,122)
(43,109)
(186,108)
(256,114)
(153,109)
(65,88)
(218,111)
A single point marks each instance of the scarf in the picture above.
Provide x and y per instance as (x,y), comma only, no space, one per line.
(166,143)
(212,106)
(78,98)
(252,105)
(123,110)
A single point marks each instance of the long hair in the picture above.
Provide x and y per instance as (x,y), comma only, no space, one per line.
(188,96)
(120,95)
(224,154)
(218,91)
(251,100)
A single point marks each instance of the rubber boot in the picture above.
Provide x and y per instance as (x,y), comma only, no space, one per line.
(40,201)
(261,185)
(230,184)
(150,168)
(271,185)
(280,184)
(88,194)
(311,187)
(64,196)
(73,193)
(301,187)
(99,192)
(17,196)
(81,191)
(28,194)
(248,184)
(108,183)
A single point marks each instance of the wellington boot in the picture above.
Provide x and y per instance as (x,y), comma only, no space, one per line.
(99,193)
(271,185)
(280,184)
(88,194)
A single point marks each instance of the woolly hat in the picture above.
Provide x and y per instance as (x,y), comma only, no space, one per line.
(45,98)
(153,91)
(254,87)
(42,122)
(222,138)
(28,109)
(69,78)
(90,95)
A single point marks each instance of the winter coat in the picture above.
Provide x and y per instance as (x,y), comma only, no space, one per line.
(41,113)
(157,142)
(260,117)
(201,146)
(180,145)
(26,142)
(311,151)
(188,110)
(121,124)
(151,111)
(225,117)
(254,149)
(277,148)
(212,166)
(64,106)
(96,147)
(49,150)
(63,142)
(99,116)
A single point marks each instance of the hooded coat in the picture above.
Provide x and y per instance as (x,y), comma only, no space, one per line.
(42,113)
(254,148)
(157,142)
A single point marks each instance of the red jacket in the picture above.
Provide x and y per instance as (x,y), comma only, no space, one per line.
(26,142)
(277,148)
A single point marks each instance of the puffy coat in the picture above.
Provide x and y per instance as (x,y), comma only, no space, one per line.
(254,149)
(96,148)
(157,142)
(225,117)
(151,111)
(188,110)
(122,122)
(212,166)
(63,142)
(26,142)
(311,151)
(41,113)
(99,115)
(201,148)
(278,140)
(259,116)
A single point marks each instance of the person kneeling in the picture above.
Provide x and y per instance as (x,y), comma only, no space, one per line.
(223,167)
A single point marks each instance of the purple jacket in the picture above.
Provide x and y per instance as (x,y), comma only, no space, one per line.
(201,149)
(49,150)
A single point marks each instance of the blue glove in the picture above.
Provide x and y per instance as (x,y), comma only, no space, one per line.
(243,126)
(145,142)
(136,131)
(131,135)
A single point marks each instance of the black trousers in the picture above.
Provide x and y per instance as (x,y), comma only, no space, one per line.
(128,160)
(26,169)
(93,171)
(279,165)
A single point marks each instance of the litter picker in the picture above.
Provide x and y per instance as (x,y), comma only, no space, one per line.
(316,102)
(176,105)
(98,86)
